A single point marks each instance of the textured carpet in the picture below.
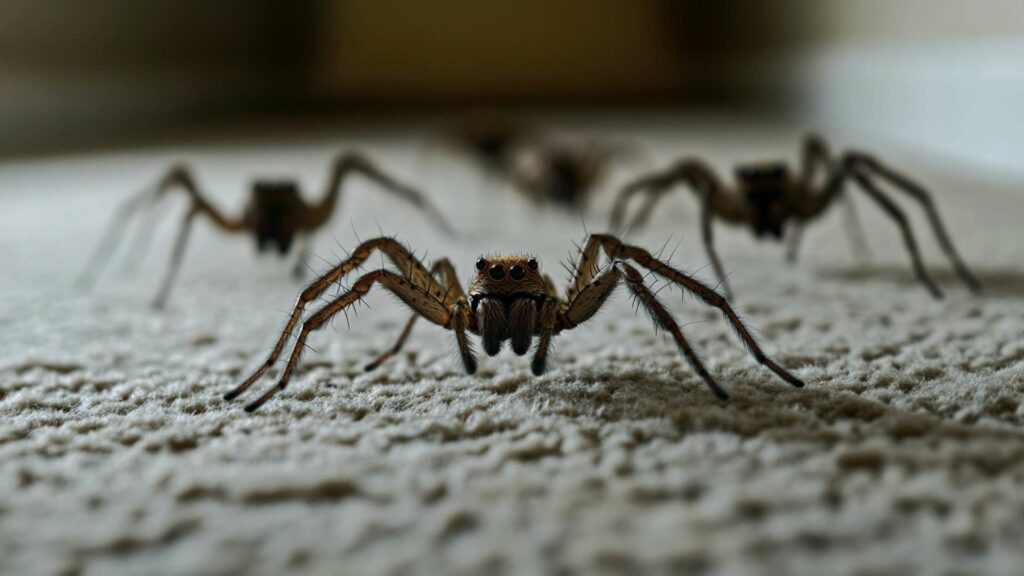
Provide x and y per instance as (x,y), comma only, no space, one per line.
(904,454)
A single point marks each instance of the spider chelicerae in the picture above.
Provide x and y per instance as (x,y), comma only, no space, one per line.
(276,216)
(769,197)
(509,300)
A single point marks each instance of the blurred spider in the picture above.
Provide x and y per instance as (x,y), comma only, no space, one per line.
(768,197)
(509,300)
(276,215)
(542,169)
(490,137)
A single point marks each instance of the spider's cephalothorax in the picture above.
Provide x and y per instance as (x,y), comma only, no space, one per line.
(506,295)
(767,198)
(509,300)
(275,216)
(765,187)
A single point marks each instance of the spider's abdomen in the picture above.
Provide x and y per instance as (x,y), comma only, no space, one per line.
(275,214)
(565,180)
(492,148)
(765,187)
(768,219)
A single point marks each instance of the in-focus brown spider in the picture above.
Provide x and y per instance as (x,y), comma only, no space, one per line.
(509,300)
(275,215)
(541,168)
(768,197)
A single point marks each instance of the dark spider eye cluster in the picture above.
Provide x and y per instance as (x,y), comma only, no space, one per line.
(499,271)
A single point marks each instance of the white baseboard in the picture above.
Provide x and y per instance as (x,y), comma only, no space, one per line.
(959,99)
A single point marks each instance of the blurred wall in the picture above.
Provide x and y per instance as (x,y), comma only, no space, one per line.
(868,21)
(88,72)
(402,52)
(944,75)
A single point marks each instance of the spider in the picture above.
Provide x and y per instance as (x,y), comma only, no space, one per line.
(768,197)
(509,300)
(489,137)
(542,169)
(275,216)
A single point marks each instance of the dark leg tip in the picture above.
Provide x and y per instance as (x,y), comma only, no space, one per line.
(715,388)
(788,377)
(370,367)
(538,366)
(492,346)
(250,408)
(521,345)
(470,365)
(932,288)
(231,395)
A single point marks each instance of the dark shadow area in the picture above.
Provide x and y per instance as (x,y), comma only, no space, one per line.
(995,282)
(819,413)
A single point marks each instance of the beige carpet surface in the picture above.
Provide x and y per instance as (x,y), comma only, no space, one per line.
(903,455)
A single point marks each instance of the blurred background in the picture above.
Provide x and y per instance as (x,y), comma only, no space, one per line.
(944,76)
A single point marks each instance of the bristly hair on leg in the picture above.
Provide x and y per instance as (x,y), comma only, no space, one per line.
(656,289)
(722,281)
(352,224)
(551,358)
(693,274)
(661,250)
(753,331)
(455,354)
(341,246)
(653,317)
(673,254)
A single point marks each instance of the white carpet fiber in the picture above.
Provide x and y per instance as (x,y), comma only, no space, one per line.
(903,455)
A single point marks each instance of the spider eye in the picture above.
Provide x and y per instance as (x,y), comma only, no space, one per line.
(532,263)
(517,272)
(481,264)
(497,271)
